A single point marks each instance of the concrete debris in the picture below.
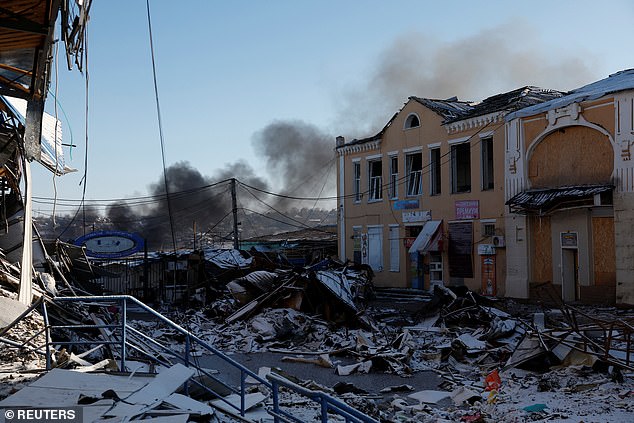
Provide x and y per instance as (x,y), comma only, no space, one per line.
(494,360)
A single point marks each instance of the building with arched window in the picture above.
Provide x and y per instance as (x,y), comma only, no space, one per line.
(569,191)
(422,201)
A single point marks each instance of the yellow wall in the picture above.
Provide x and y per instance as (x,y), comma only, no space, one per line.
(431,132)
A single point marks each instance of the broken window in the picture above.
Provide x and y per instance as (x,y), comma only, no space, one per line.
(487,163)
(460,246)
(356,183)
(375,174)
(393,188)
(434,171)
(461,168)
(412,121)
(414,164)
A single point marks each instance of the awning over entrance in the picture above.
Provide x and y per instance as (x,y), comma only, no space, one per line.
(542,201)
(424,239)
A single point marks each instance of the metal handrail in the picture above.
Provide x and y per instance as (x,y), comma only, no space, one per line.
(326,401)
(190,338)
(272,381)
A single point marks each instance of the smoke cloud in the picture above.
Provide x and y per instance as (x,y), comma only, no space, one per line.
(299,159)
(490,62)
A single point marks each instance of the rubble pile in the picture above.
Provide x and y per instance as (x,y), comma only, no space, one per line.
(499,360)
(496,359)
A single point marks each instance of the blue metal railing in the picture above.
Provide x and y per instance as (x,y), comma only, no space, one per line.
(125,337)
(327,403)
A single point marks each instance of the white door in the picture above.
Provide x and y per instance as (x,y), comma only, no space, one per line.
(375,248)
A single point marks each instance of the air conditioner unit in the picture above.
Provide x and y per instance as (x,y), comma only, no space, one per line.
(498,241)
(435,267)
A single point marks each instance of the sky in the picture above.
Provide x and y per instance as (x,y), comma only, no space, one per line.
(262,88)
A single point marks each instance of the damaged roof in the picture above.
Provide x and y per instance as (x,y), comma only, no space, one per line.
(52,156)
(26,32)
(321,233)
(509,101)
(447,109)
(619,81)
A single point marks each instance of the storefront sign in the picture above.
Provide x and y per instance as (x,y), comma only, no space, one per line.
(407,242)
(569,239)
(486,249)
(110,244)
(489,284)
(467,209)
(416,216)
(406,204)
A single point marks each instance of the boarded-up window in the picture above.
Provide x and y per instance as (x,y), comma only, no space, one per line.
(460,249)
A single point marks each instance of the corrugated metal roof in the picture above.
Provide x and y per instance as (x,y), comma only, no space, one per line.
(620,81)
(543,200)
(51,142)
(509,102)
(448,109)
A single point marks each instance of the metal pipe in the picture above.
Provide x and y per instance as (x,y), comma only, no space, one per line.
(124,324)
(48,336)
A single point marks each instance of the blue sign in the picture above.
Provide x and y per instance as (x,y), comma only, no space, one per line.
(110,244)
(406,204)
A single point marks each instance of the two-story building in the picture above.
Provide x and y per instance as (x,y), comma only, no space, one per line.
(422,201)
(569,187)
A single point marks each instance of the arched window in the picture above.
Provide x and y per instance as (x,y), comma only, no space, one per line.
(412,121)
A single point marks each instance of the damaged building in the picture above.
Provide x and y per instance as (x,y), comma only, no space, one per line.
(569,179)
(422,201)
(525,194)
(27,133)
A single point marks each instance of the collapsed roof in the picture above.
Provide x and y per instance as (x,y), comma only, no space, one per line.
(619,81)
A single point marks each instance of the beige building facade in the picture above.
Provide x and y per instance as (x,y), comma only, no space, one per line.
(569,187)
(422,202)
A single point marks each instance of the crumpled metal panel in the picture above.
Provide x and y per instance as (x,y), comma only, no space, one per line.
(540,199)
(227,259)
(620,81)
(338,284)
(52,156)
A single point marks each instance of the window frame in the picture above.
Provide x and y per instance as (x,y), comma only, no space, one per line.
(435,175)
(407,124)
(414,175)
(457,172)
(356,181)
(375,183)
(487,164)
(393,184)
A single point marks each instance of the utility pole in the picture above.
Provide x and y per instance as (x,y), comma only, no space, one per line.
(234,210)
